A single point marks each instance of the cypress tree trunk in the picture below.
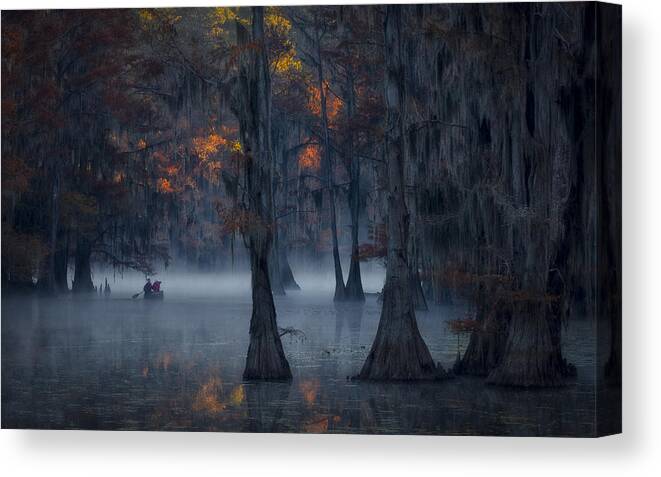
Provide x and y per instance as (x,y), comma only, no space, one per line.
(277,285)
(354,288)
(46,282)
(82,280)
(275,267)
(62,261)
(340,291)
(419,300)
(532,355)
(398,351)
(266,357)
(529,359)
(485,346)
(287,276)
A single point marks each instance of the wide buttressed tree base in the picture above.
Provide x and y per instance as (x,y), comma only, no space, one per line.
(529,358)
(266,358)
(399,352)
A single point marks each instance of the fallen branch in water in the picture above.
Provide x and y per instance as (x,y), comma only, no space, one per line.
(290,330)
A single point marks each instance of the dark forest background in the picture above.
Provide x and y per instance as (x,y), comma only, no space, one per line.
(474,149)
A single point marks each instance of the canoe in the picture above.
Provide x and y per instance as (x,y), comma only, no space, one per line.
(154,296)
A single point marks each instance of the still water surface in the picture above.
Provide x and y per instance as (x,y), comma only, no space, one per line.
(176,365)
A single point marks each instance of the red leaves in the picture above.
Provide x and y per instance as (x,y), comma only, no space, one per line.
(16,175)
(379,246)
(369,251)
(463,326)
(237,219)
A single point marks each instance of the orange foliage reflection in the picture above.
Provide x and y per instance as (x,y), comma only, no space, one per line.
(310,389)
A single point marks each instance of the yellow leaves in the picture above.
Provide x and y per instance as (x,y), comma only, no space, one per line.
(275,22)
(310,157)
(146,15)
(287,62)
(236,147)
(221,16)
(283,51)
(152,17)
(205,147)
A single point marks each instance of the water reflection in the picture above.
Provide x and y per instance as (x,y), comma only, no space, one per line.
(348,318)
(119,364)
(266,402)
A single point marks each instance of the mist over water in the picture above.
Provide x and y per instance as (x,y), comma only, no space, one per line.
(208,285)
(120,363)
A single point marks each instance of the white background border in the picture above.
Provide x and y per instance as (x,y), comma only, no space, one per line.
(636,452)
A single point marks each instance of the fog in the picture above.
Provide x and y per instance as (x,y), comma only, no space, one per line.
(177,283)
(94,363)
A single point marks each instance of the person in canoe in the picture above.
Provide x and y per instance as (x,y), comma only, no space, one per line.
(148,287)
(152,291)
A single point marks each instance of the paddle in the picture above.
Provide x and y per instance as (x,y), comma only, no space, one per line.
(137,295)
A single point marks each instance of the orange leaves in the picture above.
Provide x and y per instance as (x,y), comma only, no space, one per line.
(333,103)
(318,426)
(333,107)
(205,147)
(310,157)
(172,170)
(206,398)
(211,398)
(164,186)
